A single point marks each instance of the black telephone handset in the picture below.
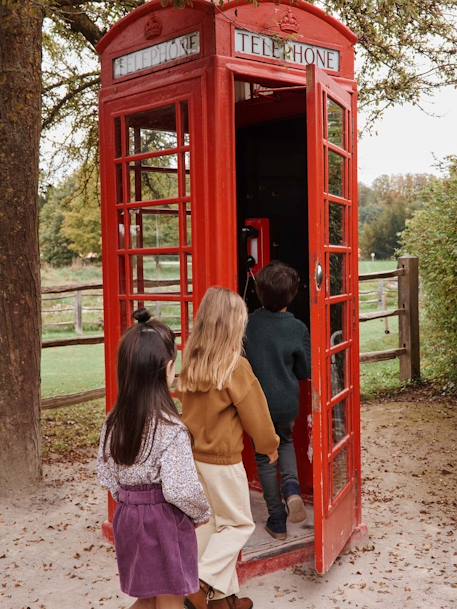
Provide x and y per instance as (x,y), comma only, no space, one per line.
(248,232)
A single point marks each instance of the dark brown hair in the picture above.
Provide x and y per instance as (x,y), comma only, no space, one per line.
(144,397)
(277,285)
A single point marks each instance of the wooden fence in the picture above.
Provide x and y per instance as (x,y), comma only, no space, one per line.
(407,312)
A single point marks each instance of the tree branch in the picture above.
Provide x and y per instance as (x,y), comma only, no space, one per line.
(78,21)
(58,107)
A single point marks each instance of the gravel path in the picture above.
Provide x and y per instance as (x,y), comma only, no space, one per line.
(52,555)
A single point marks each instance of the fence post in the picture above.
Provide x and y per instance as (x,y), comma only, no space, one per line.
(408,301)
(78,312)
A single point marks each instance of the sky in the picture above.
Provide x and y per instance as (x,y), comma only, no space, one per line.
(410,141)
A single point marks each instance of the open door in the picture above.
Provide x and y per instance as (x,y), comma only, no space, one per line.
(334,314)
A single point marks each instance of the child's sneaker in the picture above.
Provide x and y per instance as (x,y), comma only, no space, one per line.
(294,502)
(276,526)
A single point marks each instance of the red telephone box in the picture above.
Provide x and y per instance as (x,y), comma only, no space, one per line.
(213,119)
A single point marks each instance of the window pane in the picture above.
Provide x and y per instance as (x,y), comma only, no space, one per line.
(336,224)
(154,227)
(117,137)
(121,230)
(188,224)
(153,179)
(337,325)
(125,315)
(339,429)
(185,123)
(122,275)
(187,170)
(119,185)
(335,115)
(339,469)
(155,274)
(189,274)
(335,174)
(338,365)
(168,312)
(337,279)
(152,131)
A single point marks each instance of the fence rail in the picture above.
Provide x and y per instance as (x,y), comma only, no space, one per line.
(407,312)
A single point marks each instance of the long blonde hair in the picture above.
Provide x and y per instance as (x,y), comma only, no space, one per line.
(215,345)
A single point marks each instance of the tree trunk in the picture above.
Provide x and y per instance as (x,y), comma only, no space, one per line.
(20,317)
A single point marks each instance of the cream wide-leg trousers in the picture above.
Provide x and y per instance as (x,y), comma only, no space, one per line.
(230,526)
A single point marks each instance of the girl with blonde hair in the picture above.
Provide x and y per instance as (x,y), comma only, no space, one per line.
(221,398)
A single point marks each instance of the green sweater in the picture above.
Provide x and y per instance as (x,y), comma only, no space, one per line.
(278,349)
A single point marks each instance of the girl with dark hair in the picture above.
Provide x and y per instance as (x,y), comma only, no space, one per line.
(145,461)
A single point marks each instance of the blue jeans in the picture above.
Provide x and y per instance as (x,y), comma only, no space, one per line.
(287,465)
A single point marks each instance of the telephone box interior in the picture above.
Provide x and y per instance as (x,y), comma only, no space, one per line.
(222,150)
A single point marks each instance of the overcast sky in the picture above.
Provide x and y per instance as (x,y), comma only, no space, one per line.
(407,139)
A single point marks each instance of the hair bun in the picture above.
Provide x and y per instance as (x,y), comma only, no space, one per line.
(142,315)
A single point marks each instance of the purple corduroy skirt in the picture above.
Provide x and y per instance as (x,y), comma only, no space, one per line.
(156,546)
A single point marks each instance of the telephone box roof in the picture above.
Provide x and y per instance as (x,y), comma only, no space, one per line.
(206,5)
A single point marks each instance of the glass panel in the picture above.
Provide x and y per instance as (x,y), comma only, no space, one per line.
(188,224)
(337,325)
(335,174)
(336,224)
(124,315)
(154,227)
(335,115)
(191,315)
(122,275)
(187,169)
(189,274)
(152,131)
(155,274)
(119,185)
(117,137)
(153,179)
(338,372)
(337,279)
(121,230)
(339,429)
(339,472)
(168,312)
(185,123)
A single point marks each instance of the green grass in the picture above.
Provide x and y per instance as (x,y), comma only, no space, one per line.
(79,368)
(69,432)
(71,369)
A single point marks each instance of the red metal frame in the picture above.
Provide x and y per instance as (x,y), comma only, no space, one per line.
(206,83)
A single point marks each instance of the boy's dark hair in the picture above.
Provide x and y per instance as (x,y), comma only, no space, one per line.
(277,285)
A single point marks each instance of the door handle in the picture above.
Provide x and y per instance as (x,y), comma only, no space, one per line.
(319,275)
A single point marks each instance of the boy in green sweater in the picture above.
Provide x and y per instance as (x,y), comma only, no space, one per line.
(278,349)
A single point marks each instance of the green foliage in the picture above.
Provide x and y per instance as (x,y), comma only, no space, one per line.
(396,39)
(392,200)
(431,234)
(54,245)
(82,224)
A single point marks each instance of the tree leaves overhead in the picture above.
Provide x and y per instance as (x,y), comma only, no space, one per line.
(406,48)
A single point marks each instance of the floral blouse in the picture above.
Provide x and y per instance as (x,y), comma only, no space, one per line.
(165,458)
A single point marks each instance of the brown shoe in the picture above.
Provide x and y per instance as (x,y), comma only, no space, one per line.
(231,602)
(199,600)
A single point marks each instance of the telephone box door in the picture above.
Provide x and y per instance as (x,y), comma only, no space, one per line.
(334,314)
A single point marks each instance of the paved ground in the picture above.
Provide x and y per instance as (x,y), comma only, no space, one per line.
(53,557)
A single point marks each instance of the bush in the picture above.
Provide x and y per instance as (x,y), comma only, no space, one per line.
(431,234)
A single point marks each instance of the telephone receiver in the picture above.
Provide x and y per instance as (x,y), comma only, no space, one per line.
(255,243)
(247,233)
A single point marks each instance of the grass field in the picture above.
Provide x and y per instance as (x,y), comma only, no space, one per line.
(68,432)
(73,369)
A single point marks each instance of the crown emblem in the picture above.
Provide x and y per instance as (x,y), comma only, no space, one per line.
(289,23)
(152,28)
